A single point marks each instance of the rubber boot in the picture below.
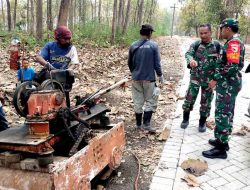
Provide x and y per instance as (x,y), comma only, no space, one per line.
(138,117)
(185,122)
(146,121)
(219,151)
(202,124)
(216,142)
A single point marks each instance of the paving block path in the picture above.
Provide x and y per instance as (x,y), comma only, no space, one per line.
(230,174)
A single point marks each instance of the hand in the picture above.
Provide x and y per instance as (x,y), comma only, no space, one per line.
(161,79)
(212,84)
(49,67)
(193,63)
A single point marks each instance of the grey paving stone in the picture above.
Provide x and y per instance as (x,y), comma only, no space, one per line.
(231,169)
(168,173)
(164,181)
(234,185)
(217,182)
(206,186)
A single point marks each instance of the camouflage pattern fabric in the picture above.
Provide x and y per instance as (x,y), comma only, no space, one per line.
(206,55)
(229,83)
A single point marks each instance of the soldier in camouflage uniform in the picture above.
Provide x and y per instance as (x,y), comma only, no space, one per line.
(228,81)
(201,58)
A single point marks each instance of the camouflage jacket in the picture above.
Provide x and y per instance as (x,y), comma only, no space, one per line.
(231,60)
(206,55)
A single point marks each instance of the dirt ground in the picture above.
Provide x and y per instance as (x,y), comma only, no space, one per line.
(102,67)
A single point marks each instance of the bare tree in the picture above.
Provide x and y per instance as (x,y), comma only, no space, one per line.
(39,19)
(140,12)
(114,23)
(99,10)
(49,15)
(125,26)
(8,15)
(28,15)
(14,14)
(71,16)
(32,20)
(63,12)
(3,14)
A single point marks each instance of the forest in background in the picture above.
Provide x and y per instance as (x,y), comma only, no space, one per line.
(96,22)
(195,12)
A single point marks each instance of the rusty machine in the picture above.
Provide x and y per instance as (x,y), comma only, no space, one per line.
(59,146)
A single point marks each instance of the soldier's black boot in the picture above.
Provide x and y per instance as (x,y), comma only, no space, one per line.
(218,151)
(146,121)
(216,142)
(202,124)
(185,121)
(138,117)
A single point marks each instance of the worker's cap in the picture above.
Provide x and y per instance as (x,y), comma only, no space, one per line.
(62,32)
(147,27)
(229,22)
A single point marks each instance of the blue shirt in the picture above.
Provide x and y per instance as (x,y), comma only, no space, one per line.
(59,57)
(145,62)
(26,74)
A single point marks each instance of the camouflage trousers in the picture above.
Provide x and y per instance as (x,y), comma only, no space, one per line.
(191,96)
(224,109)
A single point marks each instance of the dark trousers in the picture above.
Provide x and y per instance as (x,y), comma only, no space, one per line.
(3,121)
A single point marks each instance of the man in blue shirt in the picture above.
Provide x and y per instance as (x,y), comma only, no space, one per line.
(26,73)
(59,54)
(144,64)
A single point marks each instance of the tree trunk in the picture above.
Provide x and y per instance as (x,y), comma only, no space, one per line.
(121,4)
(39,19)
(63,13)
(14,14)
(99,11)
(95,10)
(83,15)
(140,13)
(114,23)
(152,10)
(28,15)
(126,18)
(80,11)
(71,16)
(8,15)
(3,15)
(32,20)
(49,15)
(92,10)
(136,12)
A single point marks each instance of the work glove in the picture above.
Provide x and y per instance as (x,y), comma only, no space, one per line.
(156,92)
(161,79)
(49,67)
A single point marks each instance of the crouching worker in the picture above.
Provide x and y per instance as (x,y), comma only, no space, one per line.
(144,62)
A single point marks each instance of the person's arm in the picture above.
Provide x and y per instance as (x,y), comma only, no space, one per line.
(233,54)
(19,75)
(157,61)
(43,56)
(130,61)
(74,63)
(190,55)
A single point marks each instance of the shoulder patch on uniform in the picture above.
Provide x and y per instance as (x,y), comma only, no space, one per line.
(233,51)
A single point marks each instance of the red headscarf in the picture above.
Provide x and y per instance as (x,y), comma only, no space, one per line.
(62,32)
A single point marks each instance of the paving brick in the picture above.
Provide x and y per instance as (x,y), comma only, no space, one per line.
(231,169)
(217,182)
(206,186)
(157,186)
(164,181)
(166,173)
(225,175)
(234,185)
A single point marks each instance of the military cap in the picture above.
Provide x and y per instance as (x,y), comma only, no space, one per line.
(147,27)
(229,22)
